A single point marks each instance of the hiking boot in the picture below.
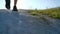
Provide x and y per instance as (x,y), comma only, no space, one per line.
(15,8)
(7,4)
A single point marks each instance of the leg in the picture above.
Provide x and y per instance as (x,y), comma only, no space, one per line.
(15,8)
(15,2)
(7,5)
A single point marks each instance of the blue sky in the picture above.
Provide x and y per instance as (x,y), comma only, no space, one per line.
(32,4)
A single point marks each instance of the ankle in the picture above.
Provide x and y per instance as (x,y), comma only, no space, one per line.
(14,5)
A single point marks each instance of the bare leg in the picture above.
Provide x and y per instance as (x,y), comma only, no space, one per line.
(15,2)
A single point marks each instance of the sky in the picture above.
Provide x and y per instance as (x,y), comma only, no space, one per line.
(32,4)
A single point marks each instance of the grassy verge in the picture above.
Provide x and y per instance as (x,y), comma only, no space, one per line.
(53,12)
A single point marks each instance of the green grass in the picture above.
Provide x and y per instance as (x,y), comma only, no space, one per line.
(53,12)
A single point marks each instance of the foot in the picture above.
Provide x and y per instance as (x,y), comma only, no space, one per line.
(7,4)
(15,8)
